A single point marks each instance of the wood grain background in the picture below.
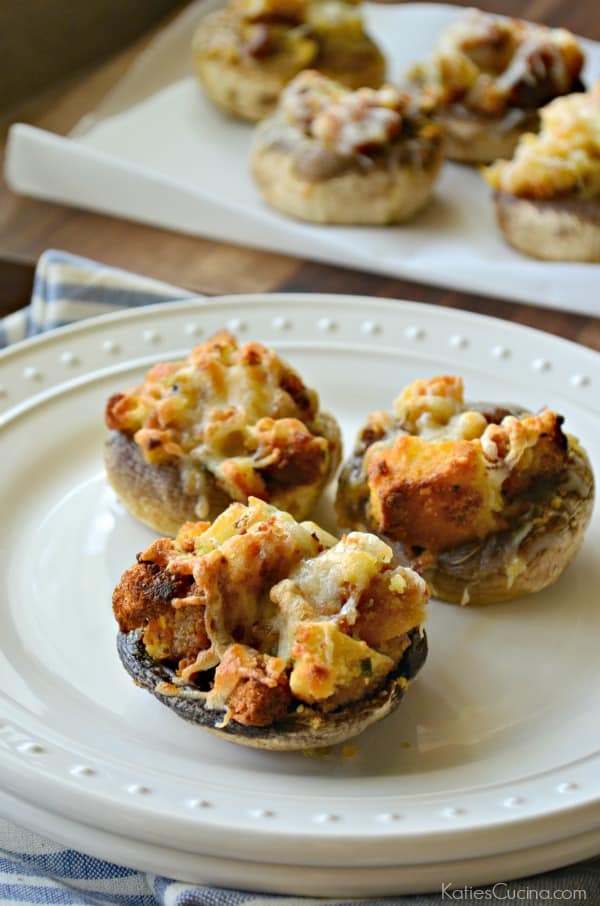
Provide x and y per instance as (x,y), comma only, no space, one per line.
(28,227)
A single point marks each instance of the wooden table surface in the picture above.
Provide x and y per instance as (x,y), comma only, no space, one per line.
(27,227)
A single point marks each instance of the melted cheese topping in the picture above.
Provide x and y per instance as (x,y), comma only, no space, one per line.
(329,585)
(237,413)
(347,121)
(486,62)
(564,159)
(333,614)
(442,474)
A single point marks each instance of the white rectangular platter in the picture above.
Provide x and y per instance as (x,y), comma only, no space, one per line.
(158,151)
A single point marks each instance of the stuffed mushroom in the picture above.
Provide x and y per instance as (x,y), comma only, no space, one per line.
(227,422)
(247,52)
(548,196)
(270,632)
(329,155)
(489,502)
(489,76)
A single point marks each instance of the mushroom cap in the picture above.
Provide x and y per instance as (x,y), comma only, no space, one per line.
(304,728)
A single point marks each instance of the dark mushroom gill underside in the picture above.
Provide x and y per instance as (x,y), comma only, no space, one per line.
(305,727)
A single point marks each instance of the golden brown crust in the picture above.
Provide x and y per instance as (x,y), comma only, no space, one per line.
(384,619)
(486,505)
(434,494)
(437,494)
(511,564)
(145,591)
(227,423)
(261,692)
(144,597)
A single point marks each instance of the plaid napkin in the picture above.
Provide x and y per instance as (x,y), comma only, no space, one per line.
(36,870)
(68,289)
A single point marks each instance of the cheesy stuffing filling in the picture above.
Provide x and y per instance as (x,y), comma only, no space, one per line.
(489,64)
(563,159)
(283,604)
(236,414)
(351,122)
(439,474)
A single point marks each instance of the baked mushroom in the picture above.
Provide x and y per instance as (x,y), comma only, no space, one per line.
(247,52)
(488,77)
(227,422)
(548,196)
(330,155)
(270,632)
(488,502)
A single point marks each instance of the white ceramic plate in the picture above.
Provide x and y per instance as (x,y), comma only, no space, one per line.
(496,748)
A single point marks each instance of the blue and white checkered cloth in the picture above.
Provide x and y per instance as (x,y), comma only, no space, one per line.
(36,870)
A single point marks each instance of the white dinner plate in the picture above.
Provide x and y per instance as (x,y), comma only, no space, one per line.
(495,753)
